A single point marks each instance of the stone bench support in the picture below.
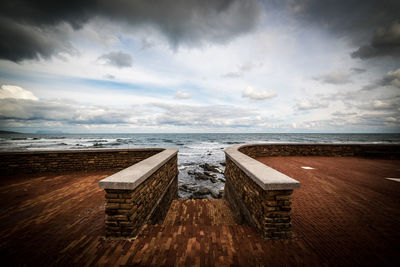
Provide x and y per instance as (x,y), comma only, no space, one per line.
(258,194)
(140,194)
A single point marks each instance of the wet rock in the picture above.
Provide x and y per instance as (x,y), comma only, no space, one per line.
(198,197)
(222,180)
(213,180)
(201,192)
(188,163)
(210,168)
(191,172)
(201,176)
(219,171)
(210,174)
(187,188)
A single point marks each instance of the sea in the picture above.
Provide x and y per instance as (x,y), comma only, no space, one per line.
(194,148)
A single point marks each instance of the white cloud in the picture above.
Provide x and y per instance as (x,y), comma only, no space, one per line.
(312,104)
(118,59)
(248,66)
(16,92)
(146,115)
(334,77)
(393,78)
(182,95)
(251,93)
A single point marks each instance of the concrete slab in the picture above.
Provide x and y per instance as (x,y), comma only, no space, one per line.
(133,176)
(266,177)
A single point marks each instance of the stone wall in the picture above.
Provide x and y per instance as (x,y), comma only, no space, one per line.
(266,210)
(329,150)
(128,210)
(12,163)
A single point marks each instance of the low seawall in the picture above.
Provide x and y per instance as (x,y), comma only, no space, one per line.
(28,162)
(328,150)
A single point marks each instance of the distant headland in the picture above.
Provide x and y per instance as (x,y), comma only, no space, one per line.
(9,132)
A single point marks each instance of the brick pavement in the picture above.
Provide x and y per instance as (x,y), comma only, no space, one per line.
(344,214)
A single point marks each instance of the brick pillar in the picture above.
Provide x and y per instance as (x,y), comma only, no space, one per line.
(140,194)
(277,214)
(120,212)
(267,210)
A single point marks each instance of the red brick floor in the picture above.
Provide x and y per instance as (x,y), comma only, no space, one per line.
(344,214)
(346,211)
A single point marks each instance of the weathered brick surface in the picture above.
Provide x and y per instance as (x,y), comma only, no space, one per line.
(12,163)
(128,210)
(161,209)
(267,211)
(329,150)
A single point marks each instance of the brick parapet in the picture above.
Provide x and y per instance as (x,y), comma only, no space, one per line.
(328,150)
(266,210)
(29,162)
(128,210)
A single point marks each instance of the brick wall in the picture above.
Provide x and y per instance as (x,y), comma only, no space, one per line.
(12,163)
(329,150)
(128,210)
(267,211)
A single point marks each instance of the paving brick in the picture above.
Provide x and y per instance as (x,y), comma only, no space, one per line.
(344,214)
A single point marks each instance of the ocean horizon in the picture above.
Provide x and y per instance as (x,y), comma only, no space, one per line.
(194,148)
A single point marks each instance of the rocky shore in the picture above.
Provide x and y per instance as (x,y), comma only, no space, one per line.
(201,181)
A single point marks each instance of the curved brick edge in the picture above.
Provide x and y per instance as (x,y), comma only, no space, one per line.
(140,194)
(258,194)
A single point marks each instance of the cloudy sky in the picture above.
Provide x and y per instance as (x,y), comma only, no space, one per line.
(200,66)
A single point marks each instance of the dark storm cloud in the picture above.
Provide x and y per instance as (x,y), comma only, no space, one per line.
(385,42)
(372,25)
(20,41)
(189,22)
(183,22)
(118,59)
(47,12)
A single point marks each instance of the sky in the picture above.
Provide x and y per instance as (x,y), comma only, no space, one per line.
(124,66)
